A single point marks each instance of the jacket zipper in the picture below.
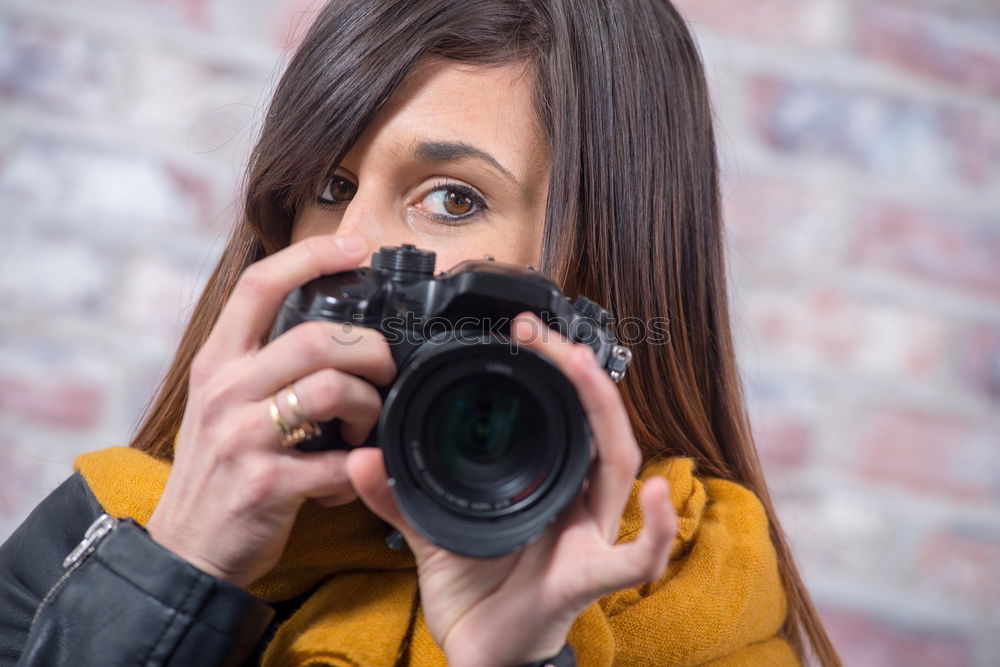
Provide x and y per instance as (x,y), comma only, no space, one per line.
(101,526)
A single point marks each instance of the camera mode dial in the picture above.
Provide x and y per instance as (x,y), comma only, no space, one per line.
(405,262)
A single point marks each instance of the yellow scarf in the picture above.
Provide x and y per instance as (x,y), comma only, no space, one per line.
(720,601)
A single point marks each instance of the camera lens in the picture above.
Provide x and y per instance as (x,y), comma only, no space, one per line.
(485,440)
(484,444)
(474,427)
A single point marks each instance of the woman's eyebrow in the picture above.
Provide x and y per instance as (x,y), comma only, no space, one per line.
(440,151)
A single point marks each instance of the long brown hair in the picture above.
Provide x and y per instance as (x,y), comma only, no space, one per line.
(633,216)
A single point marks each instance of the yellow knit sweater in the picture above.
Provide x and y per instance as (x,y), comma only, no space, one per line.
(720,602)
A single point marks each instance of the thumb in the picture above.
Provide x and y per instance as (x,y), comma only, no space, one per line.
(365,468)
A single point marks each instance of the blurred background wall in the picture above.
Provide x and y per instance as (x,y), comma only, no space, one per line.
(861,150)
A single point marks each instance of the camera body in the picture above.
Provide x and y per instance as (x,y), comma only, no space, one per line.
(484,442)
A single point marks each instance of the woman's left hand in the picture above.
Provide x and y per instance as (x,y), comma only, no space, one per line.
(519,608)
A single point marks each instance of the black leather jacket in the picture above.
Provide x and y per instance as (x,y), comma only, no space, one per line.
(129,602)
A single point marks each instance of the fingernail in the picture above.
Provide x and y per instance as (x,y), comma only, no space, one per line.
(351,243)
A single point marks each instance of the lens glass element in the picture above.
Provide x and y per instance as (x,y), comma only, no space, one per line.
(486,440)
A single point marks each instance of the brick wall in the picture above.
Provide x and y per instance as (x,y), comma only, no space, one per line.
(861,144)
(861,152)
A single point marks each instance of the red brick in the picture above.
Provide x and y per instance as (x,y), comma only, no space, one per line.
(783,416)
(837,532)
(777,227)
(61,71)
(157,295)
(292,21)
(19,476)
(783,439)
(975,137)
(193,188)
(957,48)
(977,357)
(928,454)
(801,23)
(937,247)
(48,272)
(193,12)
(867,640)
(876,131)
(960,563)
(848,334)
(205,105)
(101,189)
(71,403)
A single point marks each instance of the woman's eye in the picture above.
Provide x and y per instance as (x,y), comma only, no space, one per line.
(448,202)
(453,202)
(338,191)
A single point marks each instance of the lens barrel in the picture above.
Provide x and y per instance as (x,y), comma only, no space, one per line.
(485,443)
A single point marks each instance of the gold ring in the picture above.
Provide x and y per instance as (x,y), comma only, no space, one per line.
(292,435)
(293,402)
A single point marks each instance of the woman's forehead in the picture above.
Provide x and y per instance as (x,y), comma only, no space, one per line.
(447,110)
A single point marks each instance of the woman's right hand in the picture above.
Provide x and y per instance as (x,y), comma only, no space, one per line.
(234,490)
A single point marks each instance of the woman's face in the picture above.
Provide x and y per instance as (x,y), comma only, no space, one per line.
(454,163)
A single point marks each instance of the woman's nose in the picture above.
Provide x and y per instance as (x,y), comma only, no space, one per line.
(368,217)
(357,218)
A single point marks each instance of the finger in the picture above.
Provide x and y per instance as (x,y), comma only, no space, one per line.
(529,331)
(254,303)
(646,557)
(366,470)
(336,499)
(652,547)
(330,394)
(312,346)
(618,455)
(316,475)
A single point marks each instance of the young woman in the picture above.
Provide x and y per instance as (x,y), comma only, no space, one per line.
(574,135)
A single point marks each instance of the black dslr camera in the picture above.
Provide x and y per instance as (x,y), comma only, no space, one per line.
(485,442)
